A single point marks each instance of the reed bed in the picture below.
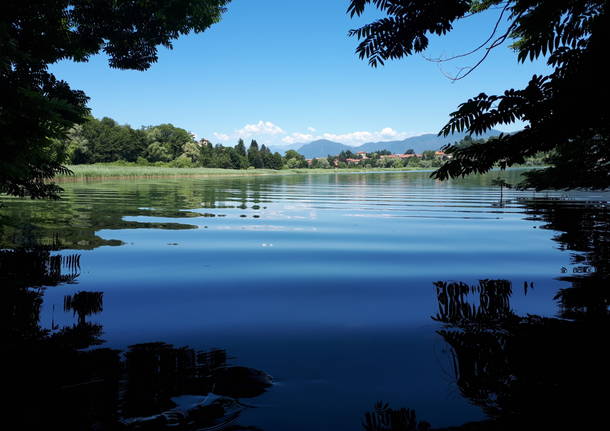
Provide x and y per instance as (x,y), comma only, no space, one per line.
(101,170)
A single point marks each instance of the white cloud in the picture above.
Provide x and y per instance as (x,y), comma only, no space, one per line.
(388,131)
(349,138)
(298,137)
(363,136)
(221,136)
(269,133)
(260,128)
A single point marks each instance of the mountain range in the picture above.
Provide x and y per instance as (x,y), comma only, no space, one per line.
(419,144)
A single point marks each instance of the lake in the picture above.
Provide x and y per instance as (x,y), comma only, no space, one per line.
(347,289)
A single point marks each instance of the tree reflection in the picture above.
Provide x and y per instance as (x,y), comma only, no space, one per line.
(56,380)
(36,266)
(84,304)
(384,418)
(23,273)
(534,372)
(158,375)
(86,208)
(456,309)
(585,230)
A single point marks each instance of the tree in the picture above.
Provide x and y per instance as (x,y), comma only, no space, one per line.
(192,151)
(266,156)
(206,153)
(294,160)
(566,111)
(241,148)
(322,163)
(429,155)
(346,154)
(274,161)
(254,156)
(157,152)
(77,145)
(104,141)
(36,109)
(221,157)
(237,160)
(414,162)
(171,138)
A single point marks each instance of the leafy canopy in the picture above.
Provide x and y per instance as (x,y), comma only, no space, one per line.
(36,109)
(566,111)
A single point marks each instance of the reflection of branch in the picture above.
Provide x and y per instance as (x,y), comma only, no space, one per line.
(84,304)
(455,308)
(34,267)
(383,418)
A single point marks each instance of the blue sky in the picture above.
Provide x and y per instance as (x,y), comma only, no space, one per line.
(285,71)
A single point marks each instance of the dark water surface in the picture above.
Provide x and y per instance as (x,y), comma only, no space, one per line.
(347,289)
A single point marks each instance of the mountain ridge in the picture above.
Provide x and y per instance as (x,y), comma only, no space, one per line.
(419,144)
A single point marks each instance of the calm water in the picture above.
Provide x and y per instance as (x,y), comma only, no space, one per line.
(347,289)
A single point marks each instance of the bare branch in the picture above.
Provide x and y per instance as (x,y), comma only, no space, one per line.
(499,41)
(481,46)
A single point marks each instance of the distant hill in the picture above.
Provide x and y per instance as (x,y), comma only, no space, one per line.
(322,148)
(419,144)
(283,148)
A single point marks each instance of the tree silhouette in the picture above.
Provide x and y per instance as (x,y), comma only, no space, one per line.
(565,111)
(37,109)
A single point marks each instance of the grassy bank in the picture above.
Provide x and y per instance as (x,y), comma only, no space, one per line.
(102,170)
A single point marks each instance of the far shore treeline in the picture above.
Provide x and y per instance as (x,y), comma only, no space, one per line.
(164,145)
(105,141)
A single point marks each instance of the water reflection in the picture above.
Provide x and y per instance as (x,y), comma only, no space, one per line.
(57,380)
(89,207)
(384,418)
(255,284)
(84,304)
(529,371)
(585,231)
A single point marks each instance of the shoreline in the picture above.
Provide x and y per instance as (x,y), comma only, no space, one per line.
(84,173)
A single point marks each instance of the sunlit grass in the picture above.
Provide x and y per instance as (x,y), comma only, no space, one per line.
(109,170)
(103,170)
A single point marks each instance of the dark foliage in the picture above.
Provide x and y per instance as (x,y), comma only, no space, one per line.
(36,109)
(566,111)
